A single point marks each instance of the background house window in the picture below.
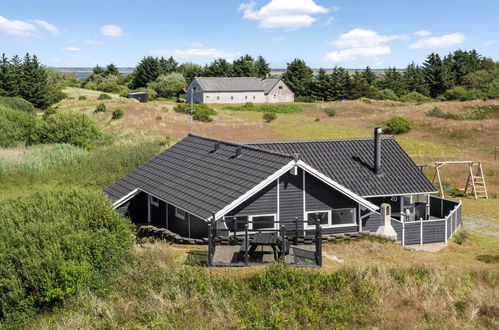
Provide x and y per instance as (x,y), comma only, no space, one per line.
(245,97)
(257,222)
(207,96)
(343,217)
(236,223)
(254,97)
(280,87)
(323,216)
(218,97)
(179,213)
(154,201)
(232,97)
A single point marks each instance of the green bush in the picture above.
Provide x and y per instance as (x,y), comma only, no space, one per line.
(483,112)
(100,108)
(82,97)
(17,103)
(267,107)
(168,85)
(306,99)
(269,116)
(104,96)
(366,100)
(437,112)
(459,93)
(387,94)
(54,244)
(202,112)
(151,93)
(73,128)
(415,97)
(117,114)
(15,126)
(488,258)
(397,125)
(330,112)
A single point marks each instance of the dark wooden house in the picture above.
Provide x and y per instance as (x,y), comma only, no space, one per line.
(342,183)
(140,96)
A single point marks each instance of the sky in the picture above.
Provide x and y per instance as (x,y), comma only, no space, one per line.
(324,33)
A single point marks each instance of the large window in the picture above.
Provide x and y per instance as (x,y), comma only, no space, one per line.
(343,217)
(331,218)
(258,222)
(236,223)
(154,201)
(323,216)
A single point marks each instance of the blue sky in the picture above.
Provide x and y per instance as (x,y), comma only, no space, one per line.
(324,33)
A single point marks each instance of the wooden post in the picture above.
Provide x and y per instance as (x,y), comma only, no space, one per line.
(318,242)
(234,221)
(403,230)
(446,230)
(283,235)
(246,243)
(421,233)
(296,231)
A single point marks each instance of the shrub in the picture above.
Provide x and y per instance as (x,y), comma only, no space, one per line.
(15,126)
(269,116)
(100,108)
(437,112)
(54,244)
(415,97)
(483,112)
(366,100)
(17,103)
(202,112)
(168,85)
(330,112)
(306,99)
(317,119)
(488,258)
(117,114)
(104,96)
(82,97)
(397,125)
(151,93)
(461,237)
(73,128)
(459,93)
(387,94)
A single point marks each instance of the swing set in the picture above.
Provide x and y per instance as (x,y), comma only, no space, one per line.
(475,182)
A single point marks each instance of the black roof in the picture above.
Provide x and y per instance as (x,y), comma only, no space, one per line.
(190,175)
(349,162)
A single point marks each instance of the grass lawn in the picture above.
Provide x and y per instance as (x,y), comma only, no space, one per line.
(378,284)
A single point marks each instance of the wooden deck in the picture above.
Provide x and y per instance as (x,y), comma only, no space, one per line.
(230,255)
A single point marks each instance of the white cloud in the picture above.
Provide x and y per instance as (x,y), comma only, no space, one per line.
(111,30)
(361,44)
(277,39)
(328,21)
(17,28)
(490,43)
(283,14)
(194,44)
(195,52)
(93,42)
(71,49)
(422,33)
(47,26)
(443,41)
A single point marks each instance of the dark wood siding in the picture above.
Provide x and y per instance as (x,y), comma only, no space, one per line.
(291,196)
(263,202)
(433,231)
(372,222)
(394,202)
(137,209)
(412,233)
(158,215)
(319,196)
(335,230)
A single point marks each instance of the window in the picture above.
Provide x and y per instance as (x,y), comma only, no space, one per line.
(254,97)
(154,201)
(257,222)
(218,97)
(331,218)
(236,223)
(280,87)
(343,217)
(246,97)
(232,97)
(323,216)
(179,213)
(207,96)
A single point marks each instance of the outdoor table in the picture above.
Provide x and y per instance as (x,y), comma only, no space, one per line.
(264,239)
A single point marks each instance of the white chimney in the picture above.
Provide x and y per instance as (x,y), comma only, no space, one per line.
(386,230)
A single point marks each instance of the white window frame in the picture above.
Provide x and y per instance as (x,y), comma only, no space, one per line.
(154,201)
(329,218)
(180,215)
(250,221)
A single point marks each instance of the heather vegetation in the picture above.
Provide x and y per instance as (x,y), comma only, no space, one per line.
(267,107)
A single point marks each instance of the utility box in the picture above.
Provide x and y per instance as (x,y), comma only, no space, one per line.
(140,96)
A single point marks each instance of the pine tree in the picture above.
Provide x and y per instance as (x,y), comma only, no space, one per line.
(369,75)
(298,76)
(436,75)
(392,79)
(262,67)
(168,66)
(360,87)
(98,70)
(219,68)
(244,67)
(35,88)
(321,85)
(415,80)
(147,70)
(111,70)
(341,84)
(190,71)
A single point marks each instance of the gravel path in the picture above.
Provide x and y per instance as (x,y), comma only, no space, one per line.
(477,225)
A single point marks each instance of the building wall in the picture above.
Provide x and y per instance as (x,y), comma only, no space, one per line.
(197,95)
(233,97)
(280,93)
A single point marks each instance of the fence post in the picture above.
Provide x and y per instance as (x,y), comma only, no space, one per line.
(421,233)
(283,235)
(235,229)
(403,230)
(296,231)
(246,243)
(446,219)
(318,242)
